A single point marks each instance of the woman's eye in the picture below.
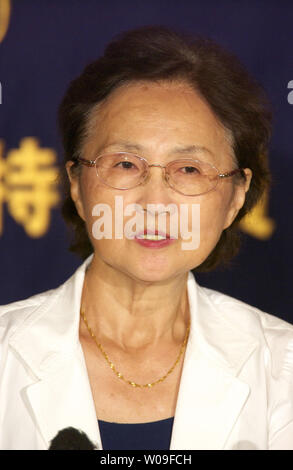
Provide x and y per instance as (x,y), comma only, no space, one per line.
(190,169)
(125,165)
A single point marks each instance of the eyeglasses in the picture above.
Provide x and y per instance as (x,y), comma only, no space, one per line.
(187,176)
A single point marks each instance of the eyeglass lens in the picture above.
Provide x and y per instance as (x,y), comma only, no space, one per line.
(125,171)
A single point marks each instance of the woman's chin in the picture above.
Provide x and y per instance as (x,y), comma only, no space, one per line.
(147,268)
(150,273)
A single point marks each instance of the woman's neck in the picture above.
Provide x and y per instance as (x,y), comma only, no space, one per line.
(131,312)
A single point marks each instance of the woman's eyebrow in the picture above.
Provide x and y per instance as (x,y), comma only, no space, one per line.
(124,145)
(189,149)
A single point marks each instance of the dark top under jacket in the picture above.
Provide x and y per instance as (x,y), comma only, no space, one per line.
(155,435)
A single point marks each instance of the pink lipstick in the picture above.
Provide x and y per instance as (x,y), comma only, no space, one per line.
(153,239)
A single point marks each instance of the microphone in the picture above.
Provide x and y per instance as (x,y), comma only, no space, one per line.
(71,439)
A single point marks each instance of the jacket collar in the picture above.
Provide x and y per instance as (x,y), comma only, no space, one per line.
(210,396)
(47,343)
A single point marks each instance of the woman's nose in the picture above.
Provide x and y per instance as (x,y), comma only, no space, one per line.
(155,184)
(155,191)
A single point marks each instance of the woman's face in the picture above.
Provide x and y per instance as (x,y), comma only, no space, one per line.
(161,122)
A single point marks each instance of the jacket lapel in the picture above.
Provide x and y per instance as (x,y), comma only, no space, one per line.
(63,399)
(211,396)
(48,344)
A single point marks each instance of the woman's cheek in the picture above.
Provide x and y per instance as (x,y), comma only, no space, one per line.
(212,219)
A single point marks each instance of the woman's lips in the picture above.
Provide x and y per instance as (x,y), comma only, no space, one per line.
(149,243)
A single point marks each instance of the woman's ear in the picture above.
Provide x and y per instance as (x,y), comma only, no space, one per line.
(238,197)
(75,190)
(248,175)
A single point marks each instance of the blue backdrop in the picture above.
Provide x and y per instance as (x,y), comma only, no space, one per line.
(46,43)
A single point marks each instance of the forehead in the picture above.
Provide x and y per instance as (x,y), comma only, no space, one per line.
(157,116)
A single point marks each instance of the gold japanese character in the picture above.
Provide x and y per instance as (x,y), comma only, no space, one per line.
(2,186)
(257,223)
(30,185)
(5,10)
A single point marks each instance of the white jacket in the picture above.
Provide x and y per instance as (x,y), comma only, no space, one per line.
(236,389)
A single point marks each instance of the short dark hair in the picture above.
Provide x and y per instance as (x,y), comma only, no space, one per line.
(160,54)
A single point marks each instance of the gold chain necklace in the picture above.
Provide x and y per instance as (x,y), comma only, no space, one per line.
(119,375)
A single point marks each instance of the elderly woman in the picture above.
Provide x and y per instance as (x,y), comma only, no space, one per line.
(131,350)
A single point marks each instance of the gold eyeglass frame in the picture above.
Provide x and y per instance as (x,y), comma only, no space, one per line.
(217,177)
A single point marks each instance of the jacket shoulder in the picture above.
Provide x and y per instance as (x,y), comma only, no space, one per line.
(14,313)
(29,310)
(237,309)
(274,333)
